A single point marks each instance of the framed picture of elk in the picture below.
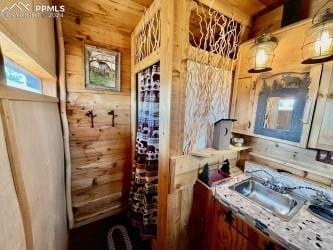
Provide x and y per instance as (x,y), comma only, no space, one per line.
(102,68)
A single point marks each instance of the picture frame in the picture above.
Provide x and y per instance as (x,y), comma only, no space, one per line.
(102,68)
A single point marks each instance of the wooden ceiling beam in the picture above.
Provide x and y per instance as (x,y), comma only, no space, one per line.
(270,5)
(229,10)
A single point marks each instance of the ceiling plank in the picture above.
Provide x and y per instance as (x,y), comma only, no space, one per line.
(272,4)
(250,7)
(229,10)
(120,14)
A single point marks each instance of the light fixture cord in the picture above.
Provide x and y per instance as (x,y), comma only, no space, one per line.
(317,12)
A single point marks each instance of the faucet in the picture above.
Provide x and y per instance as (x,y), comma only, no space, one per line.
(320,198)
(272,183)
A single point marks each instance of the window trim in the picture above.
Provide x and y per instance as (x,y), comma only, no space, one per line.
(10,63)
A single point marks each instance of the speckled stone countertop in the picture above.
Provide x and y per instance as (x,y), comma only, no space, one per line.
(303,231)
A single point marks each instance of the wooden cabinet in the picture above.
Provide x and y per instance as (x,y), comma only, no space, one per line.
(214,226)
(200,221)
(224,233)
(242,108)
(321,136)
(248,87)
(230,232)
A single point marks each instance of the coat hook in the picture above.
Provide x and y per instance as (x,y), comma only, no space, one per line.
(111,112)
(91,114)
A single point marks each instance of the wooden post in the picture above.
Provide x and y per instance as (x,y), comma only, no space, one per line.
(179,65)
(167,24)
(64,120)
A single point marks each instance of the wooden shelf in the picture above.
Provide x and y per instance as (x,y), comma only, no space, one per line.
(207,152)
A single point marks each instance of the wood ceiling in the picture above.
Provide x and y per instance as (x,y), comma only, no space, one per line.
(120,14)
(125,14)
(254,7)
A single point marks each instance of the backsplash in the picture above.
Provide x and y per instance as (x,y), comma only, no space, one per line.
(289,181)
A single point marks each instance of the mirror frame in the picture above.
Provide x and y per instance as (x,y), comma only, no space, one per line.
(288,85)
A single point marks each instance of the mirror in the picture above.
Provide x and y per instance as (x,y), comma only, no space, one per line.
(279,111)
(280,106)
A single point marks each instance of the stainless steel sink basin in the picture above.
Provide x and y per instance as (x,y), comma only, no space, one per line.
(281,205)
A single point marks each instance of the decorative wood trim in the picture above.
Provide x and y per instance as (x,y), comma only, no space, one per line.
(16,172)
(64,120)
(153,8)
(315,74)
(208,58)
(147,34)
(153,58)
(11,93)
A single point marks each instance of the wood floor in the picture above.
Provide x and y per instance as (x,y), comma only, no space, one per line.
(94,235)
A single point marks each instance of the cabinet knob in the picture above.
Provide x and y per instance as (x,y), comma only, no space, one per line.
(202,225)
(228,217)
(269,246)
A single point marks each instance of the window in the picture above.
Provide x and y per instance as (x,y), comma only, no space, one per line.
(20,78)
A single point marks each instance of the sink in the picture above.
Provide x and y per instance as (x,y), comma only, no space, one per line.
(281,205)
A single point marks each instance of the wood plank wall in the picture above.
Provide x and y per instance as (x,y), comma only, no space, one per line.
(101,158)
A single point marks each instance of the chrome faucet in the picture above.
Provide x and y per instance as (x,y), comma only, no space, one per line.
(272,183)
(320,198)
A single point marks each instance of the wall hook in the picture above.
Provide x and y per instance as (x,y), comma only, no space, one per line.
(111,112)
(91,114)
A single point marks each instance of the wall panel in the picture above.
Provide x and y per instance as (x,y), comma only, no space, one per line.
(101,156)
(11,225)
(41,157)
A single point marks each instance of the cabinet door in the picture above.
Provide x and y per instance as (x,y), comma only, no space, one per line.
(242,108)
(321,136)
(224,235)
(199,224)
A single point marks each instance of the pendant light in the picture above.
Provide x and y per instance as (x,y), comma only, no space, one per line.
(262,54)
(318,41)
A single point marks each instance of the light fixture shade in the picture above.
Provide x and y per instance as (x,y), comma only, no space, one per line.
(318,41)
(262,54)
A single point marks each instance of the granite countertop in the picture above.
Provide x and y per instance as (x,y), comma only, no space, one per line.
(303,231)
